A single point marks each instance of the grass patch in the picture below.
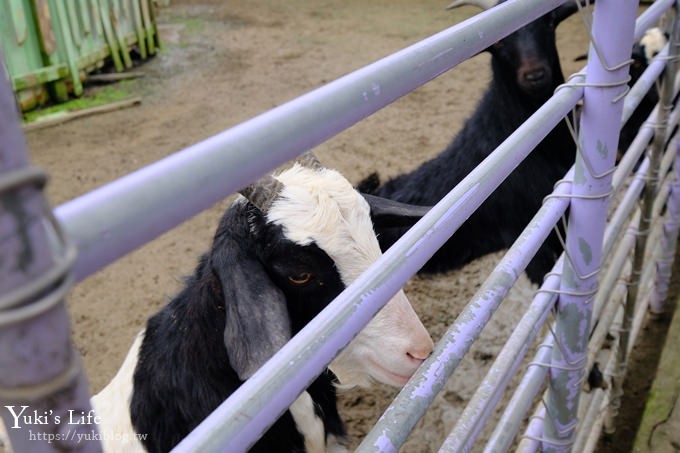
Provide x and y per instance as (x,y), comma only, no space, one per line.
(94,98)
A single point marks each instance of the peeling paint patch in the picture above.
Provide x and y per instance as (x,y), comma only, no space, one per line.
(579,172)
(602,149)
(586,251)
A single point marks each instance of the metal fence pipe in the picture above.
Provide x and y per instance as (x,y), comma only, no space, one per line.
(628,203)
(417,395)
(606,75)
(645,222)
(261,399)
(610,297)
(650,16)
(490,390)
(671,227)
(40,371)
(646,81)
(593,416)
(633,98)
(509,422)
(531,441)
(510,357)
(113,220)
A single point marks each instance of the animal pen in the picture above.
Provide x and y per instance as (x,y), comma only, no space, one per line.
(604,283)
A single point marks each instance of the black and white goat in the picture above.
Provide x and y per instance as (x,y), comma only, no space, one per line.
(525,72)
(281,253)
(651,43)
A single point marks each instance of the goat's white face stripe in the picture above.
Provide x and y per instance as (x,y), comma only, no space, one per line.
(322,207)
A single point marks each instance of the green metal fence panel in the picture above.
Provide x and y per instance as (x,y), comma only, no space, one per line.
(21,47)
(52,45)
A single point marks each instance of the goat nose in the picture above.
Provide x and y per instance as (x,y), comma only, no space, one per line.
(420,352)
(535,76)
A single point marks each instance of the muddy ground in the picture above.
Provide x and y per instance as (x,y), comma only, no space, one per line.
(224,62)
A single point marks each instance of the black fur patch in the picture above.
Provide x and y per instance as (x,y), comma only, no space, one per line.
(184,371)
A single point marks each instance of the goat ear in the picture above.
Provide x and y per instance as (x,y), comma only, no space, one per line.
(257,322)
(387,213)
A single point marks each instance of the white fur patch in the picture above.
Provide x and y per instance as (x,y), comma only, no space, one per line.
(321,206)
(653,41)
(112,405)
(308,424)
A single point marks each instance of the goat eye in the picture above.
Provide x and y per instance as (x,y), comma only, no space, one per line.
(300,279)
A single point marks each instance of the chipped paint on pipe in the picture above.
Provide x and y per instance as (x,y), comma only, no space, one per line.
(613,30)
(490,390)
(407,408)
(509,423)
(669,242)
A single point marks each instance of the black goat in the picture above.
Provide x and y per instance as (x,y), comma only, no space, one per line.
(525,72)
(278,258)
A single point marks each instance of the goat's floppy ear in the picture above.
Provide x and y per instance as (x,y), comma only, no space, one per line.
(387,213)
(257,322)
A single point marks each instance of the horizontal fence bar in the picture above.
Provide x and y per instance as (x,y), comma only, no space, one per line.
(534,377)
(115,219)
(642,86)
(254,406)
(565,113)
(399,419)
(650,16)
(162,195)
(510,421)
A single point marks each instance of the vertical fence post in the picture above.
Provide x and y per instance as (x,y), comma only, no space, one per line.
(654,152)
(606,77)
(670,229)
(43,395)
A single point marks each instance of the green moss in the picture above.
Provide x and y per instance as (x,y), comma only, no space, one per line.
(111,93)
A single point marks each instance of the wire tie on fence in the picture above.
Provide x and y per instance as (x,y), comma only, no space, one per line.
(536,417)
(588,25)
(557,443)
(566,253)
(565,292)
(578,364)
(38,391)
(13,306)
(560,432)
(554,366)
(581,197)
(579,150)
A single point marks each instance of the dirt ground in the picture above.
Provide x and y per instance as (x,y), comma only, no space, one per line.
(224,62)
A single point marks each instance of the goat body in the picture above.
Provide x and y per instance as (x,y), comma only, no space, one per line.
(273,265)
(525,71)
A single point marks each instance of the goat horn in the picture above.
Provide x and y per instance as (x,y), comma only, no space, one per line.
(483,4)
(309,160)
(263,192)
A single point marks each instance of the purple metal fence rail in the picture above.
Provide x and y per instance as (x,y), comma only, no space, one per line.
(606,77)
(40,371)
(258,402)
